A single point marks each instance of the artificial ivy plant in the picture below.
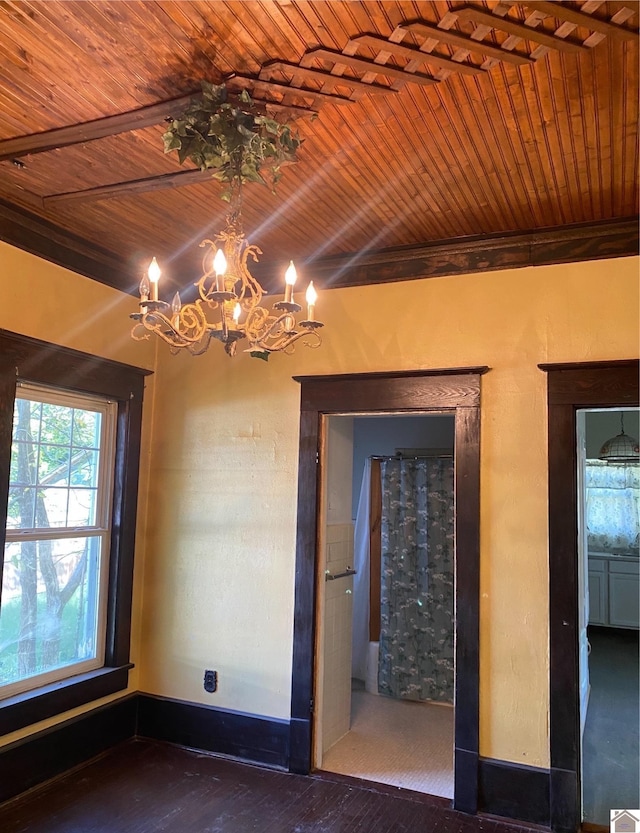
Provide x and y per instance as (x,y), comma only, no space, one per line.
(237,145)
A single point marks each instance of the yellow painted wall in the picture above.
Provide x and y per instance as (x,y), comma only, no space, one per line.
(45,301)
(219,578)
(219,468)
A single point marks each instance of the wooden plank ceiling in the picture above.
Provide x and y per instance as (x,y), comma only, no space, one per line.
(455,123)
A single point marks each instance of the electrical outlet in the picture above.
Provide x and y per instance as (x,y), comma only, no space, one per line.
(210,681)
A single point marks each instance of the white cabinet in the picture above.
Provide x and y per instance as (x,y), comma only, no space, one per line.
(614,592)
(597,591)
(624,594)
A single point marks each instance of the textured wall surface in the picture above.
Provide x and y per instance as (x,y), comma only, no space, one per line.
(44,301)
(220,542)
(221,552)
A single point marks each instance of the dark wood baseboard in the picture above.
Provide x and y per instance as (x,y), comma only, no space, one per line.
(504,789)
(514,791)
(39,757)
(299,745)
(249,737)
(465,762)
(565,800)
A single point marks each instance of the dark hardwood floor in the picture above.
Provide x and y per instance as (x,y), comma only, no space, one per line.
(146,787)
(610,753)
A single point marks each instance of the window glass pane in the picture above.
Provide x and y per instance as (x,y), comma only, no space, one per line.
(82,507)
(23,471)
(51,507)
(26,420)
(56,423)
(84,468)
(50,594)
(21,507)
(56,447)
(53,465)
(86,429)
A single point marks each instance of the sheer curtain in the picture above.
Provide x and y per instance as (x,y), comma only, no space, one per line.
(417,604)
(613,505)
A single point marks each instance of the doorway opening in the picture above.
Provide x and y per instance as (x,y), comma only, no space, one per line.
(571,388)
(385,634)
(456,392)
(608,538)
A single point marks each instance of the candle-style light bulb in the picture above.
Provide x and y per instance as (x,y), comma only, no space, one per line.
(176,306)
(144,288)
(236,313)
(154,273)
(219,267)
(144,293)
(290,277)
(312,297)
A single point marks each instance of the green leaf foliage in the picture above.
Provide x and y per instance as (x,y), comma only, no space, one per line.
(232,142)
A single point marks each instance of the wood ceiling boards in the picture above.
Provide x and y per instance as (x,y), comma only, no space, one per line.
(448,136)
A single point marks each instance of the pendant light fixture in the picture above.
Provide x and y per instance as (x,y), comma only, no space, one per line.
(621,448)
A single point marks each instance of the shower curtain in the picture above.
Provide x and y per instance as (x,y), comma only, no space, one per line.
(417,605)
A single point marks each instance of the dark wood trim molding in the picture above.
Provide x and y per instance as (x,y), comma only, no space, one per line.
(42,703)
(51,364)
(480,253)
(571,387)
(250,737)
(618,237)
(514,791)
(32,360)
(41,756)
(456,391)
(40,237)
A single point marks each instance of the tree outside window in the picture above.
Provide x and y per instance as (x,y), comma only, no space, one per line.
(54,584)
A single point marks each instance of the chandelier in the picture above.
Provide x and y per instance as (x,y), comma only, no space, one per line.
(228,307)
(228,138)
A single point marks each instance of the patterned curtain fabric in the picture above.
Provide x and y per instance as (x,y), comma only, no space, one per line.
(613,503)
(416,612)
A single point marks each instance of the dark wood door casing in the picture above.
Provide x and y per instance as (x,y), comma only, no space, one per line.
(571,387)
(457,391)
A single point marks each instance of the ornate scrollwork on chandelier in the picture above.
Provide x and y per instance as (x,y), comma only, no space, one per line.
(236,145)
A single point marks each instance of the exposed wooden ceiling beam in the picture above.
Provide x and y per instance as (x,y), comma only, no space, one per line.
(457,39)
(298,71)
(76,134)
(268,86)
(519,30)
(587,21)
(364,65)
(134,186)
(413,54)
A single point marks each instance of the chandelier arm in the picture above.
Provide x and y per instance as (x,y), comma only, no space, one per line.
(284,343)
(206,341)
(169,329)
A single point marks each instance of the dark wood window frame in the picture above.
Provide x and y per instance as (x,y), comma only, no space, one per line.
(456,391)
(27,359)
(571,387)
